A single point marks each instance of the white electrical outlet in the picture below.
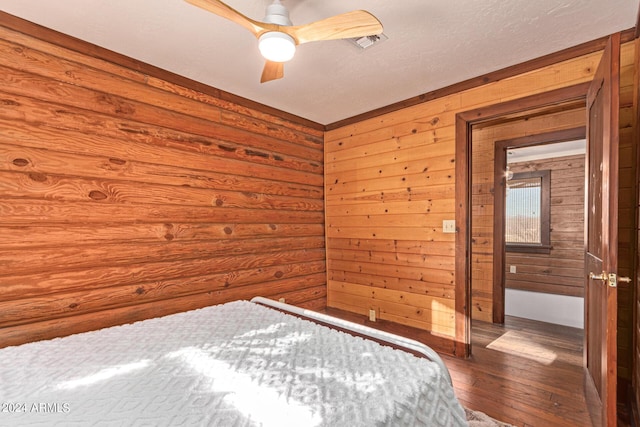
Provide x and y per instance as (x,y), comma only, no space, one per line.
(372,315)
(449,226)
(512,269)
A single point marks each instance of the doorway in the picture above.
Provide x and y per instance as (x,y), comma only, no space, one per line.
(601,237)
(501,115)
(539,258)
(489,141)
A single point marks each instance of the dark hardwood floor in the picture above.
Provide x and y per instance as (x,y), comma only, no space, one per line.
(525,373)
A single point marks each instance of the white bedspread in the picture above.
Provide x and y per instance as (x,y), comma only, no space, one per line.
(236,364)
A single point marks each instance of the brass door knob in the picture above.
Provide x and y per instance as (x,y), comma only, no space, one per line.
(611,279)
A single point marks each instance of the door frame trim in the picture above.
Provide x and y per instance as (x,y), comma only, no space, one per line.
(464,122)
(500,162)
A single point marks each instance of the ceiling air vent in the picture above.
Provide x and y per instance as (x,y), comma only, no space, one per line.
(368,41)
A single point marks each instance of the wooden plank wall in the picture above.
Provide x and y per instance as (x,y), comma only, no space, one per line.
(561,271)
(389,184)
(484,138)
(626,208)
(124,195)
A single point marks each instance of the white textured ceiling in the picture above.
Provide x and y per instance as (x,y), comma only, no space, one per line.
(431,44)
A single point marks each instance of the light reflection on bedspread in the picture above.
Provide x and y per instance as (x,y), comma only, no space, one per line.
(237,364)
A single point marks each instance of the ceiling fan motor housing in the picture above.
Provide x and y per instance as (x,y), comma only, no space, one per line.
(277,14)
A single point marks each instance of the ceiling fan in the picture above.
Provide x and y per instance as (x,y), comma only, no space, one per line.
(278,37)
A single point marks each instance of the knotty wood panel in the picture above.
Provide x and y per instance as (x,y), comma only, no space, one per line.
(126,194)
(627,202)
(386,183)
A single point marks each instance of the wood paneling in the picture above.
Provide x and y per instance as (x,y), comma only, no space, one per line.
(561,271)
(627,201)
(483,189)
(390,179)
(126,193)
(635,284)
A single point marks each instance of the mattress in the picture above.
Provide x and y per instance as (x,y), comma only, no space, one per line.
(235,364)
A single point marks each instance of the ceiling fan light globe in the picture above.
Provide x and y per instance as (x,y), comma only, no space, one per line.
(277,47)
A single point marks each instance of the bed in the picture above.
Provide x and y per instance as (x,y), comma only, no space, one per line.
(243,363)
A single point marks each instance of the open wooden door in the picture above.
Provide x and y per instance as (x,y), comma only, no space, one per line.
(601,235)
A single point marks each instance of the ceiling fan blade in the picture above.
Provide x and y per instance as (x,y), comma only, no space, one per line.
(221,9)
(358,23)
(272,71)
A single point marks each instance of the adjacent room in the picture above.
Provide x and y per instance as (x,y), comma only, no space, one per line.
(182,209)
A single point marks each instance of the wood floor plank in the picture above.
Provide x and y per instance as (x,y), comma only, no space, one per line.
(526,373)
